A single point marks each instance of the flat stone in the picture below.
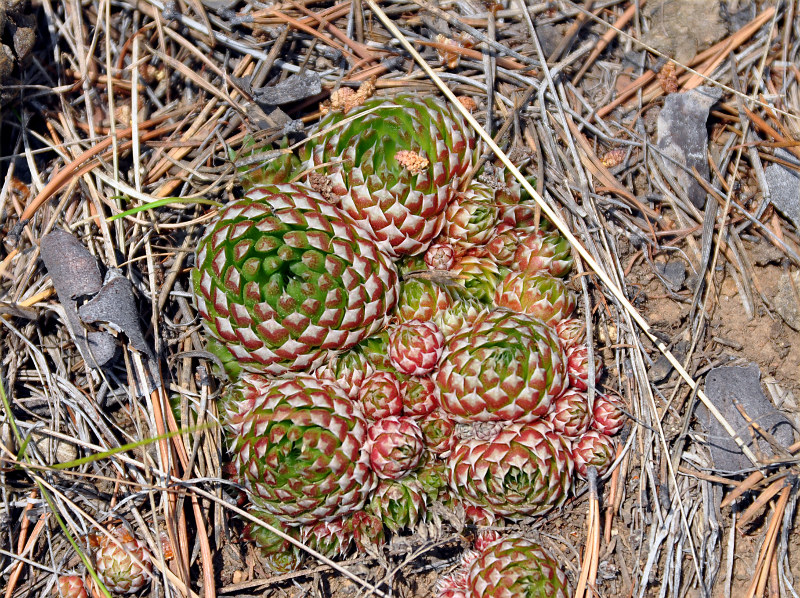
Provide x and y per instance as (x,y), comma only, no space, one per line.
(731,386)
(682,137)
(784,187)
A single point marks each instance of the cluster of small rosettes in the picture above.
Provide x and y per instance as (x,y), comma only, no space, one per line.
(424,339)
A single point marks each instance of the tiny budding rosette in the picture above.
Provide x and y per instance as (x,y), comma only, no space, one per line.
(396,446)
(505,366)
(608,416)
(578,367)
(283,278)
(394,164)
(420,396)
(123,566)
(570,414)
(415,347)
(593,449)
(70,586)
(380,396)
(299,447)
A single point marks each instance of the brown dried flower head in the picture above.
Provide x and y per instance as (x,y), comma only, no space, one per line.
(345,99)
(412,161)
(468,103)
(667,78)
(613,157)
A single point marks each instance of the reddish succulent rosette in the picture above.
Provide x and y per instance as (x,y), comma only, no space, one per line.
(545,252)
(524,470)
(71,586)
(470,219)
(515,567)
(395,446)
(123,566)
(571,332)
(299,447)
(283,278)
(438,429)
(578,367)
(440,256)
(570,413)
(609,417)
(504,367)
(538,295)
(420,396)
(400,504)
(415,347)
(593,449)
(502,247)
(394,170)
(380,396)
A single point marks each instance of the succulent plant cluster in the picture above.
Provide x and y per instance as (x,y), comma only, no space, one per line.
(399,336)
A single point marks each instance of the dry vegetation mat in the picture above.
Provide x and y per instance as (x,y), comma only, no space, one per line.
(427,298)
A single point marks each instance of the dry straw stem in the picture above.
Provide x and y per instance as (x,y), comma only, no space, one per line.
(765,556)
(562,226)
(591,554)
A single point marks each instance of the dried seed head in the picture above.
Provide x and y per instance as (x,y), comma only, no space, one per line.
(468,103)
(323,185)
(338,101)
(345,99)
(668,79)
(412,161)
(613,158)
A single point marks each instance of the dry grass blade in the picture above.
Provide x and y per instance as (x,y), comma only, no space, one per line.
(764,562)
(591,554)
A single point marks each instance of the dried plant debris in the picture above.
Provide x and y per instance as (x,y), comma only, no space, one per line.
(736,391)
(76,276)
(114,308)
(293,89)
(682,137)
(90,302)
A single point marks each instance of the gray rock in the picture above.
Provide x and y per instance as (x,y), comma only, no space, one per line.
(682,136)
(728,387)
(785,300)
(784,187)
(673,273)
